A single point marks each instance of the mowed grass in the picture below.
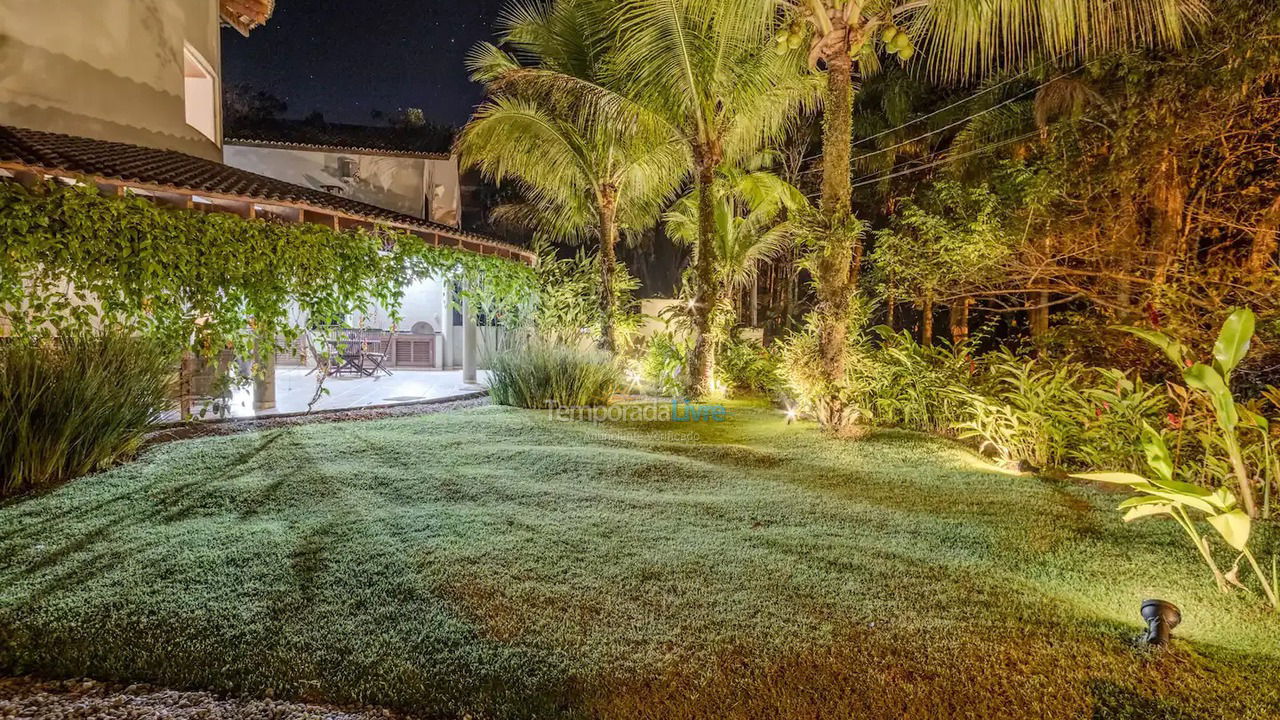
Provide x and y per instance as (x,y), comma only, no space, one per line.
(501,563)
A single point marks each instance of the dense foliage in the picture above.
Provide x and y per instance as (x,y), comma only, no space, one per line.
(568,303)
(72,259)
(76,404)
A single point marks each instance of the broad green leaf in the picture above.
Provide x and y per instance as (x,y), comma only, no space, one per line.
(1183,488)
(1115,478)
(1223,498)
(1141,500)
(1158,457)
(1208,380)
(1172,348)
(1234,527)
(1252,419)
(1204,378)
(1147,510)
(1233,341)
(1178,498)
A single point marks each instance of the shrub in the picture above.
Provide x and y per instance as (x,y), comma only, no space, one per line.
(913,386)
(569,289)
(1059,414)
(76,404)
(663,364)
(745,366)
(540,374)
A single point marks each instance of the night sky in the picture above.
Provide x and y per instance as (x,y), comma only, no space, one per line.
(346,58)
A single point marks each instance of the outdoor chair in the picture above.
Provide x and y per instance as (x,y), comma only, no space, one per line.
(374,361)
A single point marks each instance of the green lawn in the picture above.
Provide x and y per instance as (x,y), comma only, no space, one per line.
(502,563)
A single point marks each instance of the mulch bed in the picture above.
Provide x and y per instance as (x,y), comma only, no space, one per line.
(26,697)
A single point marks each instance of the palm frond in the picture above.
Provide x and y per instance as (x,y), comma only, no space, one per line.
(968,38)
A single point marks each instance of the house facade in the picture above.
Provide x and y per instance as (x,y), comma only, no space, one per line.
(145,72)
(395,168)
(126,95)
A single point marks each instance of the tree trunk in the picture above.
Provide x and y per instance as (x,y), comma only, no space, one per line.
(960,321)
(1265,240)
(835,273)
(755,300)
(1168,200)
(926,321)
(890,310)
(608,209)
(1038,314)
(702,358)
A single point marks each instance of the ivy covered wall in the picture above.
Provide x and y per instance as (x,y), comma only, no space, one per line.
(72,258)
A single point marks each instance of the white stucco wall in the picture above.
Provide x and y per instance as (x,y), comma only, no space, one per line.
(422,303)
(106,69)
(421,187)
(389,182)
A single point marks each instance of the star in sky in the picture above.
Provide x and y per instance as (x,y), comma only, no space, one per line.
(347,58)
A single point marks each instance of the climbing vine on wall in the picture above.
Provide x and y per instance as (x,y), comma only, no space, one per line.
(72,258)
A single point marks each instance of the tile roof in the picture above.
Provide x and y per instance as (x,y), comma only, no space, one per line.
(429,141)
(167,169)
(245,15)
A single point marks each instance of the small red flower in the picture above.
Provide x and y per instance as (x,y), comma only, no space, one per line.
(1174,421)
(1153,316)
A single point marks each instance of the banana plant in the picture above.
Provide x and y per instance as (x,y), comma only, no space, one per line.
(1163,495)
(1214,383)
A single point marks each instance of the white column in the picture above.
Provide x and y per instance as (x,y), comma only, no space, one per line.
(264,385)
(468,343)
(446,324)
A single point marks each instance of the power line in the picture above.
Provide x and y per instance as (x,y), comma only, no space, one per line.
(871,179)
(967,118)
(961,101)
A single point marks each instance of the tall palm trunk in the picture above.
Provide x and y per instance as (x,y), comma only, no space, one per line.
(836,271)
(702,359)
(608,201)
(1168,198)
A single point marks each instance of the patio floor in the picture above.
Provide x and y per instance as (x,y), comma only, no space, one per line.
(295,388)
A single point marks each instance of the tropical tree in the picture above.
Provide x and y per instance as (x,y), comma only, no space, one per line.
(960,39)
(707,68)
(746,207)
(950,238)
(582,175)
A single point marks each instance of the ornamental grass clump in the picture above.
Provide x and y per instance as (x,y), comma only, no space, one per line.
(541,374)
(76,404)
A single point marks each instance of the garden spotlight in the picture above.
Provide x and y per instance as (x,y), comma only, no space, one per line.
(1161,617)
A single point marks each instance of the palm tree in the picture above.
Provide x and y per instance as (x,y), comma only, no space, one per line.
(746,207)
(707,68)
(960,39)
(581,175)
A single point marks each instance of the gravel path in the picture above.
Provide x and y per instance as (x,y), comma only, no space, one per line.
(231,427)
(26,697)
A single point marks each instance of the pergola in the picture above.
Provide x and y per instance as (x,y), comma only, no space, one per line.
(178,180)
(196,184)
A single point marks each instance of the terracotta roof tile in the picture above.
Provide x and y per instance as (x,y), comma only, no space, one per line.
(75,155)
(430,141)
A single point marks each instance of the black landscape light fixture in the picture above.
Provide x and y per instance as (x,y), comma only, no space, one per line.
(1161,617)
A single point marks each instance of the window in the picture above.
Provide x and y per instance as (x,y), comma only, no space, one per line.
(200,90)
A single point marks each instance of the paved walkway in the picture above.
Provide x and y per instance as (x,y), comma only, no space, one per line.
(295,388)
